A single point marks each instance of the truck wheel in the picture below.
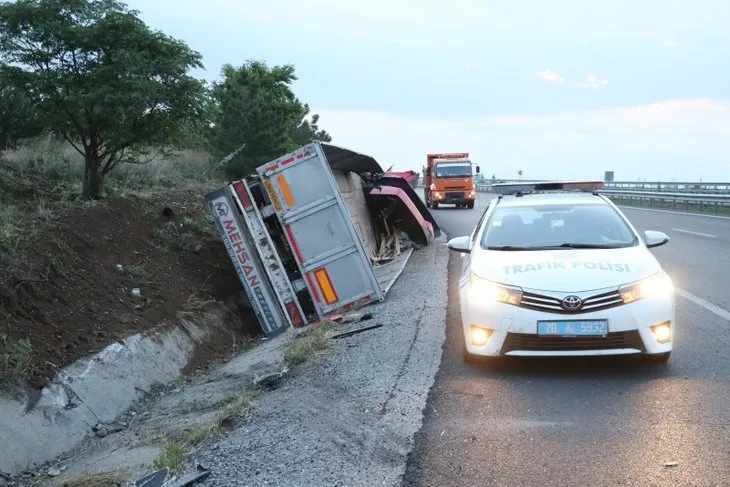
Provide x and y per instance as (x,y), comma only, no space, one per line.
(434,205)
(470,205)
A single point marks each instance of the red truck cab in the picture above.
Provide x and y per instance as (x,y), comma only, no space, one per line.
(448,179)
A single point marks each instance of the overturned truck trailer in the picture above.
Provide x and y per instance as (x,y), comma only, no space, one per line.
(299,251)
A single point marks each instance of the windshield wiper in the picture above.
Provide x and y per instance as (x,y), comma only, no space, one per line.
(591,246)
(512,247)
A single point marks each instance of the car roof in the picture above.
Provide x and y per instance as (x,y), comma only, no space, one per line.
(566,198)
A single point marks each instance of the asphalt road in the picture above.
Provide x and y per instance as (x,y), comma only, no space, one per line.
(592,422)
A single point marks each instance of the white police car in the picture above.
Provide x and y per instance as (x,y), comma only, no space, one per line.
(555,269)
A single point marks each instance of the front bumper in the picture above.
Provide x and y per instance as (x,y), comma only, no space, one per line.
(512,330)
(453,197)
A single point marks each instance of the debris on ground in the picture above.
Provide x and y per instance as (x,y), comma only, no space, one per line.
(154,479)
(104,430)
(271,379)
(192,478)
(355,332)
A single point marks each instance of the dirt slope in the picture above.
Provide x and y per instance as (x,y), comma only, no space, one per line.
(61,284)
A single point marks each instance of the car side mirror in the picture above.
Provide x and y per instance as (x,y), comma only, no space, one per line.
(460,244)
(655,239)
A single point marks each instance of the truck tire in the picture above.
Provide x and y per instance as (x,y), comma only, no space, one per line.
(470,205)
(435,205)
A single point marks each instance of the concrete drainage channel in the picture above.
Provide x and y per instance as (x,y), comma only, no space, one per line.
(37,426)
(344,417)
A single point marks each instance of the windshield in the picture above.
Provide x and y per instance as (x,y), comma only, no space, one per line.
(542,227)
(453,170)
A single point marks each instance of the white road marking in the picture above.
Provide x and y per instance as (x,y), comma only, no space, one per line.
(694,233)
(686,213)
(722,313)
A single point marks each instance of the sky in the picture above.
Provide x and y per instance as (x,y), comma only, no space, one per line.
(559,89)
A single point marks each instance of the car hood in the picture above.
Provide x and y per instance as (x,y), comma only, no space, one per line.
(565,270)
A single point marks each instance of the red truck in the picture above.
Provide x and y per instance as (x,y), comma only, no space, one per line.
(448,179)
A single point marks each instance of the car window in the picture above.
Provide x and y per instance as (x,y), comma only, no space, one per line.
(546,226)
(453,170)
(475,232)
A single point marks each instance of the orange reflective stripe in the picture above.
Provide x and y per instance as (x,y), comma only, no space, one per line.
(325,284)
(285,190)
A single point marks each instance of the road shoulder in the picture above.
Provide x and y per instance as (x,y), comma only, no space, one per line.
(349,418)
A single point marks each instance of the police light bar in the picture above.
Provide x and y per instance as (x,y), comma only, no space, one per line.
(512,188)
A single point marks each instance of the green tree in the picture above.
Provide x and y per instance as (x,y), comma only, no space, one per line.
(308,132)
(19,118)
(256,107)
(196,132)
(100,78)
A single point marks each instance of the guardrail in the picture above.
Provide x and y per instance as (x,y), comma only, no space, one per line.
(686,201)
(668,187)
(703,202)
(673,187)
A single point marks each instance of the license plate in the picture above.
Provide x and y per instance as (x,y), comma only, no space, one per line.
(573,328)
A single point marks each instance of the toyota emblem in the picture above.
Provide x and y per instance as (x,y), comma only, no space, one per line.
(572,303)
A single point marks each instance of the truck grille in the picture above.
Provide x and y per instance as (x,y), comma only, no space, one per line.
(598,302)
(454,196)
(535,343)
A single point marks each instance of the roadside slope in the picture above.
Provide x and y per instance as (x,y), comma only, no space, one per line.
(68,269)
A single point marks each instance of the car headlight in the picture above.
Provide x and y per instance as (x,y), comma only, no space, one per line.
(489,292)
(658,286)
